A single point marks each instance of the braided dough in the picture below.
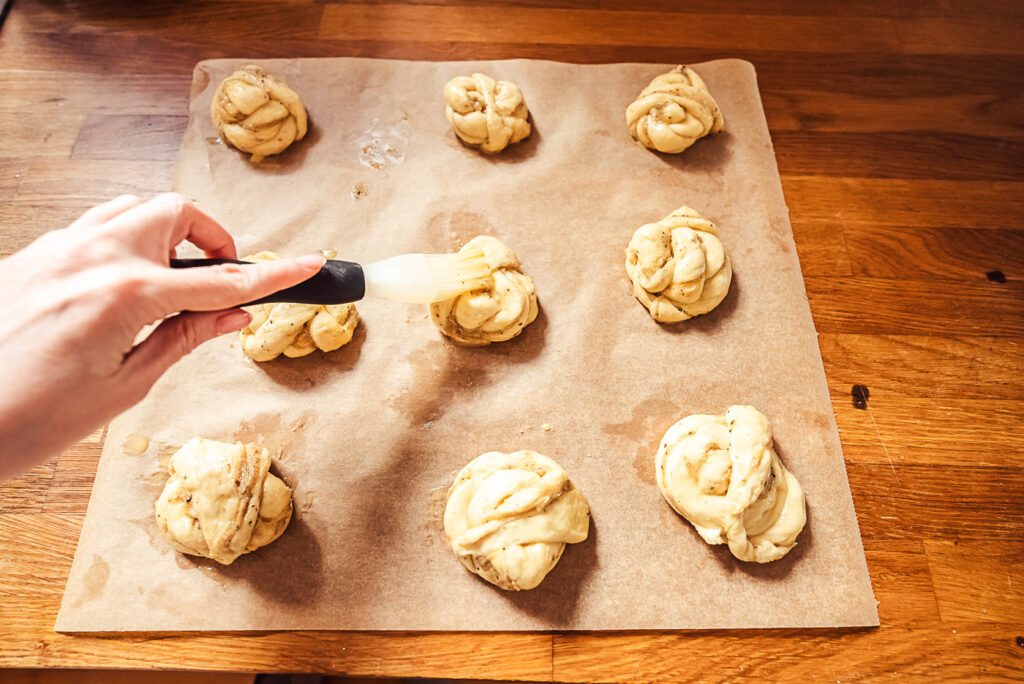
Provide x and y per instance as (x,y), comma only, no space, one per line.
(722,474)
(673,112)
(509,517)
(295,329)
(222,501)
(496,312)
(678,266)
(256,113)
(486,113)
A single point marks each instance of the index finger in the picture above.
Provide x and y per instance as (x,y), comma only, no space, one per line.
(175,218)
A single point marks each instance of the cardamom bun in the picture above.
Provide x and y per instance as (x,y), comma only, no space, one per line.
(257,113)
(678,266)
(723,475)
(295,329)
(509,516)
(485,113)
(222,501)
(674,111)
(496,312)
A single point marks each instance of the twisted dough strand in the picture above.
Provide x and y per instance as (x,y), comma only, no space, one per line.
(221,500)
(257,113)
(723,475)
(678,266)
(673,112)
(509,516)
(486,113)
(495,312)
(295,329)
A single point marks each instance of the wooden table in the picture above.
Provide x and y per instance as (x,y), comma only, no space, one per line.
(899,131)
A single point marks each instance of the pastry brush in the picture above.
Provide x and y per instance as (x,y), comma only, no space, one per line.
(411,278)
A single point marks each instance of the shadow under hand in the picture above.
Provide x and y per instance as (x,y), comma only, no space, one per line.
(556,600)
(289,570)
(443,372)
(304,372)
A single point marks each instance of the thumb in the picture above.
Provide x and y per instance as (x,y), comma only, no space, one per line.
(212,288)
(175,337)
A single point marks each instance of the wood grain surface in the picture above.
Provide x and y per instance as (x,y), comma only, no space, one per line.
(899,132)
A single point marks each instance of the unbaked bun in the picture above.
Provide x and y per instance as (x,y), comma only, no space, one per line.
(509,516)
(222,501)
(295,329)
(496,312)
(485,113)
(257,113)
(722,474)
(678,266)
(673,112)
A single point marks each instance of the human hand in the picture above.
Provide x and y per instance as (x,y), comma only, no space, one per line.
(73,302)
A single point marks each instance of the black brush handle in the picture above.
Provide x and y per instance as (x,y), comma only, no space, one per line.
(337,282)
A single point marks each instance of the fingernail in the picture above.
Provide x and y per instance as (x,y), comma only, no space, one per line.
(311,261)
(232,321)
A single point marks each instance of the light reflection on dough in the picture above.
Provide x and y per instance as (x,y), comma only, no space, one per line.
(509,516)
(295,329)
(221,500)
(678,266)
(723,475)
(496,312)
(486,113)
(673,112)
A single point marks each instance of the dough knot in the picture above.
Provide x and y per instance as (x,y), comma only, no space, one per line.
(257,113)
(509,516)
(678,266)
(486,113)
(496,312)
(221,500)
(723,475)
(295,329)
(673,112)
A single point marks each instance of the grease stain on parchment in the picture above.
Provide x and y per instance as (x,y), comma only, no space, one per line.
(434,527)
(651,418)
(94,580)
(449,230)
(206,566)
(426,372)
(383,144)
(134,444)
(269,430)
(151,529)
(164,453)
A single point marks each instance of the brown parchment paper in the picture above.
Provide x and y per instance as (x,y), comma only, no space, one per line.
(370,436)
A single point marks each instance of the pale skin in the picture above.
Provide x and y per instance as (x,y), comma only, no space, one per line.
(73,303)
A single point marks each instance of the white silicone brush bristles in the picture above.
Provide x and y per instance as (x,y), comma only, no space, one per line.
(426,278)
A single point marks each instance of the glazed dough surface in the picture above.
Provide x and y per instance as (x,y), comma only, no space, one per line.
(496,312)
(295,329)
(486,113)
(678,266)
(222,501)
(509,516)
(257,113)
(722,474)
(673,112)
